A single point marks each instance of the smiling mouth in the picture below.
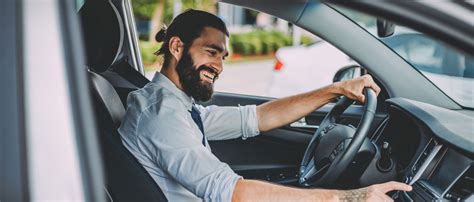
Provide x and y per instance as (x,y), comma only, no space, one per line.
(208,76)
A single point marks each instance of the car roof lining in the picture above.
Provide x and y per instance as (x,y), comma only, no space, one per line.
(314,14)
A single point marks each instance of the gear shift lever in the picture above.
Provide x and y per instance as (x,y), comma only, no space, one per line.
(385,163)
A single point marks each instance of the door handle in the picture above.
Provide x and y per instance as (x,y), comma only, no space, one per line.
(303,124)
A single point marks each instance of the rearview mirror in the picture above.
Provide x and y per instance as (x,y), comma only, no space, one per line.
(347,73)
(385,28)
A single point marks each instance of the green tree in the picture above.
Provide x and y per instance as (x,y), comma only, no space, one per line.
(143,9)
(205,5)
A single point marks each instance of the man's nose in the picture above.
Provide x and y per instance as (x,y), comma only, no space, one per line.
(218,65)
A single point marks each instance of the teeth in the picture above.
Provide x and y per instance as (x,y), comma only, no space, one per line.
(208,75)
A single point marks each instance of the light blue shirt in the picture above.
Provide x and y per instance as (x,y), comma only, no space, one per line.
(159,131)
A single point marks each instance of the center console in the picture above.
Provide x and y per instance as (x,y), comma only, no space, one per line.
(438,174)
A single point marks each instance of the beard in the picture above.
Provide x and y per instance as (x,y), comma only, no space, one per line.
(190,78)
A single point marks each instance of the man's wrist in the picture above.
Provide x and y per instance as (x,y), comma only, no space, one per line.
(326,195)
(336,88)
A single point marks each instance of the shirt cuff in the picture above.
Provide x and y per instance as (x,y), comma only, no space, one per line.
(228,186)
(248,115)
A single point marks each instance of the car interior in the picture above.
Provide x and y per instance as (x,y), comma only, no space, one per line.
(399,144)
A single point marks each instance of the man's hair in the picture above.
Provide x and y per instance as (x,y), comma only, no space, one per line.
(187,26)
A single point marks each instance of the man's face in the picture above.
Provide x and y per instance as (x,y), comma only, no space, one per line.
(201,64)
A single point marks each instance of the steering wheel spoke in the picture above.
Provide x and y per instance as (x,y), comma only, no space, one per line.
(310,172)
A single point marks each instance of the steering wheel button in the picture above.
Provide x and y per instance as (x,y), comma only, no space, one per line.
(332,156)
(340,147)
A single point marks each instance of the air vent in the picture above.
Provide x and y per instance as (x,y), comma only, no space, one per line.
(463,189)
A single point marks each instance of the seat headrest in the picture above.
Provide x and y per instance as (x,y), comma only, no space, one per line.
(108,97)
(103,33)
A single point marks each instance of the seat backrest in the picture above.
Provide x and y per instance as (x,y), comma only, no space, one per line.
(126,179)
(103,32)
(108,98)
(106,48)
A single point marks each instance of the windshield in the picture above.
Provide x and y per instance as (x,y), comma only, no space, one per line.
(450,70)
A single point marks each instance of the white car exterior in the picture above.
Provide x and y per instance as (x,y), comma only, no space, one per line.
(306,68)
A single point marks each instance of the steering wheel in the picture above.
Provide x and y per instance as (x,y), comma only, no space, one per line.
(334,146)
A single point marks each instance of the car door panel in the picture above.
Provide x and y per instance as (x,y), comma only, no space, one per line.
(273,155)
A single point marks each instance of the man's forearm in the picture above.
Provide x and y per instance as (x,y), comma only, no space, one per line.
(253,190)
(283,111)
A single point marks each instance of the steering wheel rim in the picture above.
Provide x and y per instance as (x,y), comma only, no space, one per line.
(324,169)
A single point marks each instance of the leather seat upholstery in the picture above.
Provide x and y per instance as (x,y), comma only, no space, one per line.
(108,98)
(126,179)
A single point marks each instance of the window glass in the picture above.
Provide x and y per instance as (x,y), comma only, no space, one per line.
(449,69)
(268,56)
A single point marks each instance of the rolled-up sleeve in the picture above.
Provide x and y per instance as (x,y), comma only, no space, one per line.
(222,123)
(200,172)
(180,153)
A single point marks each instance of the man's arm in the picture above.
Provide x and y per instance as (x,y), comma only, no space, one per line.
(283,111)
(253,190)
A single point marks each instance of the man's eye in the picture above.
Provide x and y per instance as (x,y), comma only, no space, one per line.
(212,53)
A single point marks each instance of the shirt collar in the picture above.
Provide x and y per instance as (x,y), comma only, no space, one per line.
(163,81)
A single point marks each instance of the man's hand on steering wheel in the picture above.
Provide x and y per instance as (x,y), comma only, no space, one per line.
(353,88)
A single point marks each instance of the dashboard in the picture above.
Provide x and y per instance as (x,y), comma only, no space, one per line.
(432,150)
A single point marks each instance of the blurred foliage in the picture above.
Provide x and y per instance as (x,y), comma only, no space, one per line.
(147,50)
(253,43)
(307,40)
(143,9)
(205,5)
(261,42)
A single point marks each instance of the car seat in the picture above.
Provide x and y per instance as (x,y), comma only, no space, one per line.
(125,177)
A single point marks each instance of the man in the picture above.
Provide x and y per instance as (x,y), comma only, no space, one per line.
(167,132)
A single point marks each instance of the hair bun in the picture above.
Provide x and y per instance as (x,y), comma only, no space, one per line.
(160,36)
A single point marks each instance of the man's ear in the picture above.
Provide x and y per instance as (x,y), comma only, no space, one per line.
(176,47)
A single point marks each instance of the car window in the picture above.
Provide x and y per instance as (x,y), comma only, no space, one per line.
(450,70)
(268,56)
(79,4)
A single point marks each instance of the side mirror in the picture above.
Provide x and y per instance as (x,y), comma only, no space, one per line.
(347,73)
(385,28)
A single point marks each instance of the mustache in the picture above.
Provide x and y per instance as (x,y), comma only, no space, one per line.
(209,69)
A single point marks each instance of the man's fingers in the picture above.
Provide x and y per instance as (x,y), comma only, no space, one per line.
(369,82)
(376,88)
(390,186)
(361,98)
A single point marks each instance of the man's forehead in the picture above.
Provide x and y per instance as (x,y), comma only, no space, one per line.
(213,38)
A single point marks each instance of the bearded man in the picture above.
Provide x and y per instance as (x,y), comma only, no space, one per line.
(168,132)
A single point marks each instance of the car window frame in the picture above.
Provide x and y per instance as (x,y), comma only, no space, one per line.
(13,163)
